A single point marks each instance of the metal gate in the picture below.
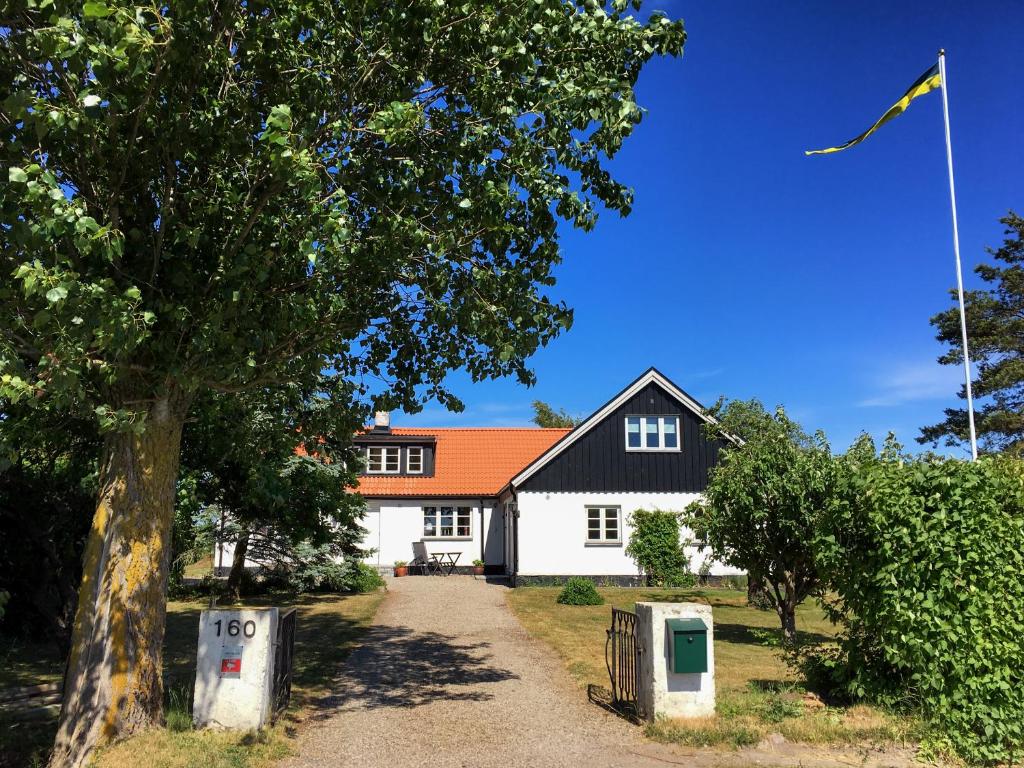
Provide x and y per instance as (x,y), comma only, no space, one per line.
(622,656)
(284,655)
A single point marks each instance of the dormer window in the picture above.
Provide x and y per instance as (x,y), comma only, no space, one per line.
(652,433)
(382,460)
(414,460)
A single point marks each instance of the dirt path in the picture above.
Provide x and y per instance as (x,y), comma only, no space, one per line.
(447,677)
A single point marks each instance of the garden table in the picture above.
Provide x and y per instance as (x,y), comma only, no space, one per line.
(446,561)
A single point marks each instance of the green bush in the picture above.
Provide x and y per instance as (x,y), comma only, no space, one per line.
(362,578)
(580,591)
(925,557)
(654,545)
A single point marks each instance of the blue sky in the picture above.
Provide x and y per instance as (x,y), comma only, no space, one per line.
(750,270)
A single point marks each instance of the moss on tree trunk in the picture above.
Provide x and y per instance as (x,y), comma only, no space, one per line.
(113,684)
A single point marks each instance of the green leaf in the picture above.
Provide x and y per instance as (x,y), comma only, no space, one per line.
(91,100)
(58,293)
(94,10)
(16,175)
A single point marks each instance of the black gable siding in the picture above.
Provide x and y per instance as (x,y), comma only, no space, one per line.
(599,461)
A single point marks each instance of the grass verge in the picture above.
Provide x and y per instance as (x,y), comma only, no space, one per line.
(757,693)
(328,627)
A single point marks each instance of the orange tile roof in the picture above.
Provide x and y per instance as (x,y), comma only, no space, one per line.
(469,461)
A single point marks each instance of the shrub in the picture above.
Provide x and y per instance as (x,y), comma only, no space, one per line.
(362,578)
(580,591)
(925,559)
(654,545)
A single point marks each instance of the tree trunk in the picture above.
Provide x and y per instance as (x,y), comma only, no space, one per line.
(787,613)
(757,594)
(113,684)
(238,566)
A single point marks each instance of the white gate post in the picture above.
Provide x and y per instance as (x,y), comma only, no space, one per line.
(662,692)
(235,668)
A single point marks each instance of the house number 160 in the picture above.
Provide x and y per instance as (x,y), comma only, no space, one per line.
(235,626)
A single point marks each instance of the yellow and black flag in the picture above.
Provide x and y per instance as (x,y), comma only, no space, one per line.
(926,83)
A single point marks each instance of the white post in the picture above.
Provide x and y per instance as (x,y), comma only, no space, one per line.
(956,251)
(661,690)
(235,668)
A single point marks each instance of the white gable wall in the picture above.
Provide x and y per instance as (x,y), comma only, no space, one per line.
(553,533)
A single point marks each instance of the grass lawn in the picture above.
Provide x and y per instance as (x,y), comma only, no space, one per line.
(327,630)
(200,568)
(757,693)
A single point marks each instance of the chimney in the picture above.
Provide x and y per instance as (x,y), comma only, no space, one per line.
(382,421)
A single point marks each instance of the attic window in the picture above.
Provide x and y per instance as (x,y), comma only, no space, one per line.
(382,461)
(652,433)
(414,460)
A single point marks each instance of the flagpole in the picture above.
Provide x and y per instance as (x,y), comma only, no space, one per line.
(956,251)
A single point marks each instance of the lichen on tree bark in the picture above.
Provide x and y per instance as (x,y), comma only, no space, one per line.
(113,685)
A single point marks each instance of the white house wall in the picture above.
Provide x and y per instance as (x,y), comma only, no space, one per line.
(553,533)
(224,556)
(394,525)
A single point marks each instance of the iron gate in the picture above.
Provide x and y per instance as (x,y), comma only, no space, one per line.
(284,655)
(622,656)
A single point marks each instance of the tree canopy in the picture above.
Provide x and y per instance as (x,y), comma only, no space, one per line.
(545,415)
(232,196)
(995,327)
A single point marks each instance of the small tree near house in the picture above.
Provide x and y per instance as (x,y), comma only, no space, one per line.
(245,450)
(763,501)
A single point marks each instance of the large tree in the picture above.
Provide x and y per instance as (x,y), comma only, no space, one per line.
(760,512)
(995,328)
(214,195)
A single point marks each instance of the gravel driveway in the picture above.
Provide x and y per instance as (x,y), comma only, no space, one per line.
(448,677)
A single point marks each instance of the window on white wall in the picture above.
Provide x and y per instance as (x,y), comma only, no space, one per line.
(382,461)
(447,522)
(603,525)
(414,461)
(652,433)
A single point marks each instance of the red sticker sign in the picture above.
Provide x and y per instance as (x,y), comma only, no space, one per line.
(231,661)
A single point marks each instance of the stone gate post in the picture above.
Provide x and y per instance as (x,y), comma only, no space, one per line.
(677,661)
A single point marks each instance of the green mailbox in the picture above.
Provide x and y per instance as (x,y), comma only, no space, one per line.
(688,641)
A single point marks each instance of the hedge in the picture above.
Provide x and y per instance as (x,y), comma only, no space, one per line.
(925,558)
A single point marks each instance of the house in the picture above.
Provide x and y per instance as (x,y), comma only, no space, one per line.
(535,504)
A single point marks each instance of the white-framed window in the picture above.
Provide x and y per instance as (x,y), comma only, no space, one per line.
(414,460)
(652,433)
(447,522)
(382,460)
(604,525)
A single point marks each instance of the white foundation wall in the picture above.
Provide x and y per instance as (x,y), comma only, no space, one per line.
(553,533)
(393,525)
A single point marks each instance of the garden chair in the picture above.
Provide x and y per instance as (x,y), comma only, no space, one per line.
(422,558)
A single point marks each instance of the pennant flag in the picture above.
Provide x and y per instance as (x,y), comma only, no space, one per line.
(926,83)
